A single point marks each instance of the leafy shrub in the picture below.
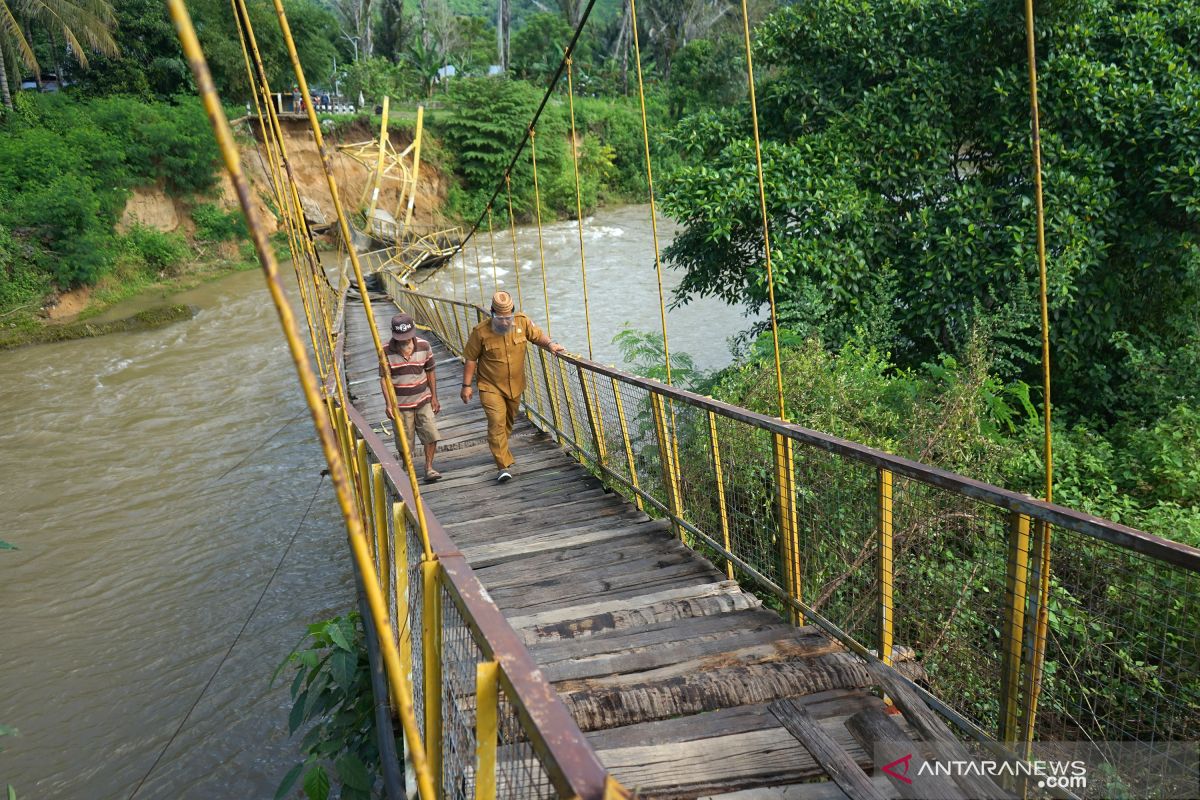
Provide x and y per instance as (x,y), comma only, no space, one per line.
(215,225)
(157,250)
(331,691)
(20,281)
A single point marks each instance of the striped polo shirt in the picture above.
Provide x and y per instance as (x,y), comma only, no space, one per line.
(410,376)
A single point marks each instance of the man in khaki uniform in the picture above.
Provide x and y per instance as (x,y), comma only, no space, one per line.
(496,350)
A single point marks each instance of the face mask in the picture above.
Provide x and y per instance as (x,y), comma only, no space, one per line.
(501,325)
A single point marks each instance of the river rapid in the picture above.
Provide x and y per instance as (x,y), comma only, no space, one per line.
(153,481)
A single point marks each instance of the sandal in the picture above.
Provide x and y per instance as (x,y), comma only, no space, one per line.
(432,475)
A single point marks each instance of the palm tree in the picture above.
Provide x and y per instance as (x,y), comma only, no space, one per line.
(87,25)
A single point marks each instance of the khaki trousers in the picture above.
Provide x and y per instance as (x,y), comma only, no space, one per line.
(501,413)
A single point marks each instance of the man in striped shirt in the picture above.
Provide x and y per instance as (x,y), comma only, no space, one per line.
(410,361)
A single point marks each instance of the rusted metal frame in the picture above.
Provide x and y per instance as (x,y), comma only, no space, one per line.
(715,446)
(789,538)
(885,572)
(670,467)
(363,494)
(557,738)
(593,416)
(1016,601)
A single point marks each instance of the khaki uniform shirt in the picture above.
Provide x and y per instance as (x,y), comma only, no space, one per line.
(501,357)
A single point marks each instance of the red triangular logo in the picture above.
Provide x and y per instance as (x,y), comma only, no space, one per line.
(902,775)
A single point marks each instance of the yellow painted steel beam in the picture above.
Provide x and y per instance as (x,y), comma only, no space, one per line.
(789,538)
(377,177)
(720,478)
(591,402)
(885,573)
(404,612)
(670,467)
(431,650)
(633,476)
(1016,598)
(379,494)
(416,168)
(487,728)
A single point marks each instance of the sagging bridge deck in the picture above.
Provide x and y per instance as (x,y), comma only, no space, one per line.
(682,682)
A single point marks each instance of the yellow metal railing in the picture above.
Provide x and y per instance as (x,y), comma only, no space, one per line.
(896,559)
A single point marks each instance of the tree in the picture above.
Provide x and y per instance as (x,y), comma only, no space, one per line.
(537,49)
(86,25)
(897,156)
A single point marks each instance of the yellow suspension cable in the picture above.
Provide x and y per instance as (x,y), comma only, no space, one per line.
(308,382)
(537,204)
(478,272)
(662,305)
(1039,650)
(762,203)
(492,246)
(272,137)
(587,317)
(344,226)
(512,227)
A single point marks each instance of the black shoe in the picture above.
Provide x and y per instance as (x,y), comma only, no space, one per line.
(504,475)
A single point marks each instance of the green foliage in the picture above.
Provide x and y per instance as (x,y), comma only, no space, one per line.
(643,351)
(537,48)
(707,73)
(215,225)
(66,168)
(896,149)
(155,250)
(21,282)
(331,693)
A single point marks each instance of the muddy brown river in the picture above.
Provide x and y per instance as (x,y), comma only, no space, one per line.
(153,482)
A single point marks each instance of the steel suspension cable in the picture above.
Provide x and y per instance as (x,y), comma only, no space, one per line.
(662,306)
(492,247)
(321,421)
(537,205)
(762,202)
(587,316)
(478,272)
(570,48)
(1039,650)
(275,153)
(512,228)
(344,226)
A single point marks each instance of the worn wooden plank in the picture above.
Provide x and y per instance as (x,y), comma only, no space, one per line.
(658,634)
(491,554)
(588,561)
(727,721)
(933,730)
(754,646)
(700,766)
(567,592)
(610,614)
(825,790)
(836,762)
(879,734)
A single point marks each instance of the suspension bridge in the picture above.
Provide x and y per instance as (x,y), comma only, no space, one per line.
(679,597)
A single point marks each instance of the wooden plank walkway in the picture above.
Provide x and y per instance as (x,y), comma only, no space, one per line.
(669,668)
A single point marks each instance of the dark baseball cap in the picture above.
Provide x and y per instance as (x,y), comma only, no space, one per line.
(403,328)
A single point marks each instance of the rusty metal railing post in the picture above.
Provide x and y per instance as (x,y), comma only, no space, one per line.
(379,515)
(403,611)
